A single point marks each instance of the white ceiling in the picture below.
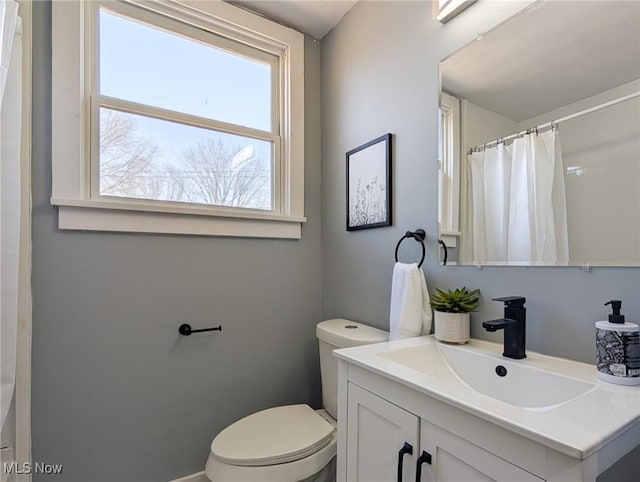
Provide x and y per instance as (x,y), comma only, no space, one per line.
(552,54)
(312,17)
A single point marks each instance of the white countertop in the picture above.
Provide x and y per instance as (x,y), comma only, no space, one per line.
(577,428)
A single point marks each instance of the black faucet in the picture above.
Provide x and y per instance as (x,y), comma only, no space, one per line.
(514,324)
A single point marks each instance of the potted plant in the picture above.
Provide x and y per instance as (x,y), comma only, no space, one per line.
(452,310)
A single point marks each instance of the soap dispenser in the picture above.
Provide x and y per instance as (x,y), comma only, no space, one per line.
(618,348)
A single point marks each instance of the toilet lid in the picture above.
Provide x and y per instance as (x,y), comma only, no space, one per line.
(273,436)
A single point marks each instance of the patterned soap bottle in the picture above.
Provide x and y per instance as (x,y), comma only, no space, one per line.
(618,348)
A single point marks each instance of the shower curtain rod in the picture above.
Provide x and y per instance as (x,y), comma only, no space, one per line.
(555,122)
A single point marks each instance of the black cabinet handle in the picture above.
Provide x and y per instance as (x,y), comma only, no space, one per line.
(424,458)
(407,448)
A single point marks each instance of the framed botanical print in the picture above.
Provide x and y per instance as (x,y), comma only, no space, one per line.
(369,184)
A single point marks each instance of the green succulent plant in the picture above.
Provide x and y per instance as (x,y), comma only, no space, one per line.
(460,300)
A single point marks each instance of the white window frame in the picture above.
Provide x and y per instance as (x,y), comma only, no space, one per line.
(450,167)
(74,183)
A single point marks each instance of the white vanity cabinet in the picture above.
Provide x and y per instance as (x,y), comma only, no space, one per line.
(387,443)
(378,432)
(378,413)
(455,459)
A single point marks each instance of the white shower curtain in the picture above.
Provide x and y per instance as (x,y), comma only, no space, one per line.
(10,141)
(490,183)
(516,200)
(537,199)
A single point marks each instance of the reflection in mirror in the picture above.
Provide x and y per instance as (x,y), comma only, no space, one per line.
(540,139)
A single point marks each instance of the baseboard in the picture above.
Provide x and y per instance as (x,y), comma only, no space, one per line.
(197,477)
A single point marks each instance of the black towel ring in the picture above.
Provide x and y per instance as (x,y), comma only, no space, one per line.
(418,235)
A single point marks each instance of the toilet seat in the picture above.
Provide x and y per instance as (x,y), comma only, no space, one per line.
(274,436)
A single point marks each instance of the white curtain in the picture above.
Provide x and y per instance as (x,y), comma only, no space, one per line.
(559,228)
(516,198)
(10,140)
(466,212)
(490,183)
(8,22)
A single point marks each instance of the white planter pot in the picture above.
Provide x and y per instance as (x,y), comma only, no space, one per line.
(452,327)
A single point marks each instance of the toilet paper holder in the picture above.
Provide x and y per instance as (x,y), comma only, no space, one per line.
(186,330)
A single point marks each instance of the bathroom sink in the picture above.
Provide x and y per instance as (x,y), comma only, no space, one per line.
(553,401)
(536,383)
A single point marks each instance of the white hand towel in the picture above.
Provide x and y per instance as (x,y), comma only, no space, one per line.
(410,312)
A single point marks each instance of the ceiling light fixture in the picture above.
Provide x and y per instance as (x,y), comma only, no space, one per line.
(447,9)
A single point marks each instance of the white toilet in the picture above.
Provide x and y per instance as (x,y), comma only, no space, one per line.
(292,443)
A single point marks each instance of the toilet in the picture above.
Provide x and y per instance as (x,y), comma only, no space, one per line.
(292,443)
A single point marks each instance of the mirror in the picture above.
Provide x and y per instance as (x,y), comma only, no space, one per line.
(540,139)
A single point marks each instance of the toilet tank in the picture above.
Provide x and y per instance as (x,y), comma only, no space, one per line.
(334,334)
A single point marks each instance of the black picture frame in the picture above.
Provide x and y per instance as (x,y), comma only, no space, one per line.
(369,184)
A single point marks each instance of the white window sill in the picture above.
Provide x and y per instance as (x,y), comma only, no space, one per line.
(73,58)
(450,238)
(125,216)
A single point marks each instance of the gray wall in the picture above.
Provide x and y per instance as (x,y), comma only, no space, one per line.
(117,394)
(380,74)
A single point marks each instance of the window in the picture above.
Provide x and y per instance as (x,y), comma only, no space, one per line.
(450,168)
(171,117)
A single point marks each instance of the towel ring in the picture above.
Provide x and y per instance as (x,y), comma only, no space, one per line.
(418,235)
(446,253)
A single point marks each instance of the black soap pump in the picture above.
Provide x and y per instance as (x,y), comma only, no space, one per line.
(618,348)
(616,306)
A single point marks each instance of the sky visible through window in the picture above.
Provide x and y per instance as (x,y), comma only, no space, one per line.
(146,65)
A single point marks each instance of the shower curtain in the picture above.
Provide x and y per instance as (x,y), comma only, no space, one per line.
(10,141)
(490,178)
(515,205)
